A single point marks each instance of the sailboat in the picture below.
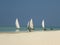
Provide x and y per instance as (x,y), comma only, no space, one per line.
(43,24)
(30,25)
(17,25)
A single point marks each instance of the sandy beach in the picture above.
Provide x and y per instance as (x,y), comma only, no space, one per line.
(31,38)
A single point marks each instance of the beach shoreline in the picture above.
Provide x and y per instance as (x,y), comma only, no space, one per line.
(31,38)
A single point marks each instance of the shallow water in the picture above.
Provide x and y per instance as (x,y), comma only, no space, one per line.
(13,29)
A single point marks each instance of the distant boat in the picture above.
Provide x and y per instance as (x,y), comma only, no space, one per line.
(30,25)
(17,24)
(43,24)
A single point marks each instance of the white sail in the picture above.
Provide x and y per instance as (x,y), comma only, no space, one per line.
(28,24)
(31,24)
(17,23)
(43,25)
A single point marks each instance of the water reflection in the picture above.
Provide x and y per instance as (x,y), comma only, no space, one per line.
(17,30)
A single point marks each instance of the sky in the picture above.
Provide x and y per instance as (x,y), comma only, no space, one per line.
(24,10)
